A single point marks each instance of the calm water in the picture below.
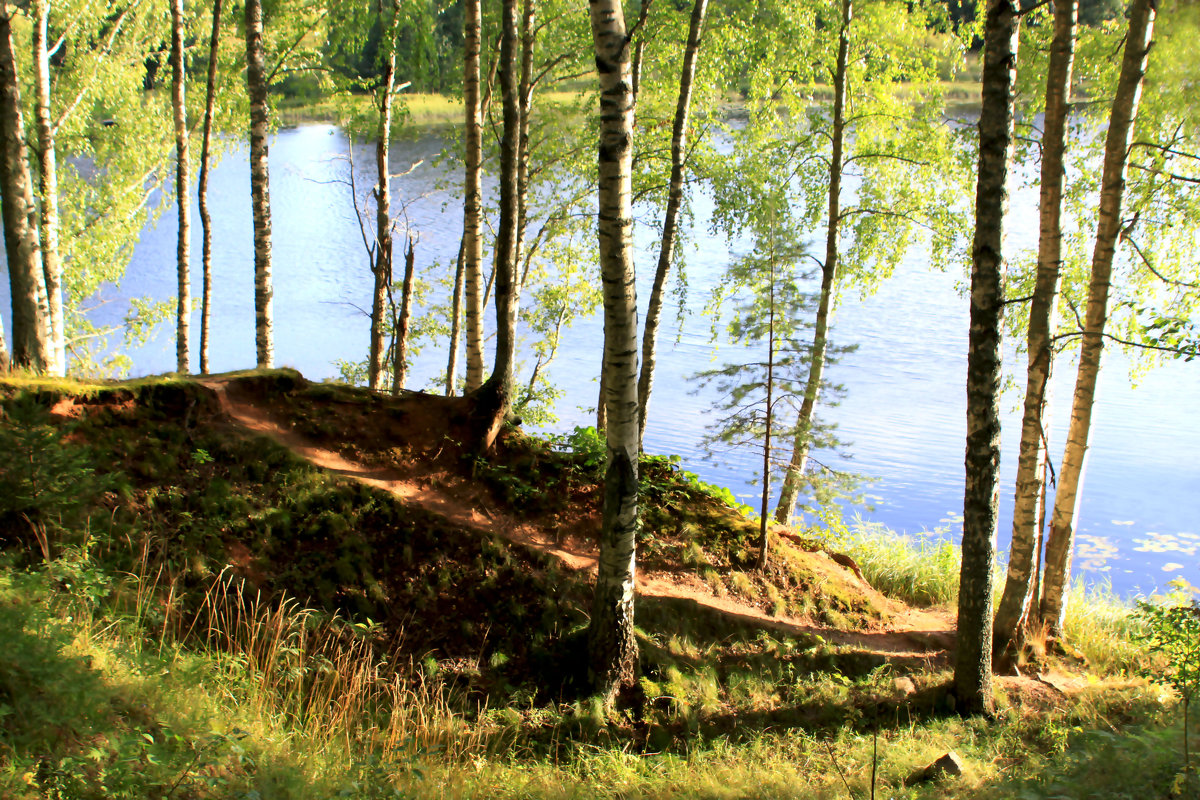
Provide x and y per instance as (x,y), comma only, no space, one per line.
(902,416)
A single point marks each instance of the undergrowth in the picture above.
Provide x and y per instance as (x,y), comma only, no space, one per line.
(219,620)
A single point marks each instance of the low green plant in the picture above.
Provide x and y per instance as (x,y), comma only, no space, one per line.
(1173,631)
(46,480)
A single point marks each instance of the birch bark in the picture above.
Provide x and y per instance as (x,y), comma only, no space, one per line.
(612,646)
(48,189)
(260,192)
(183,187)
(666,253)
(1013,611)
(382,268)
(210,95)
(1108,230)
(802,443)
(30,316)
(472,195)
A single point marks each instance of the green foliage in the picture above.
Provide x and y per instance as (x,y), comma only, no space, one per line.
(588,447)
(1173,632)
(46,480)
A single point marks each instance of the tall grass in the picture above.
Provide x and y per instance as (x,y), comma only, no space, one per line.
(924,570)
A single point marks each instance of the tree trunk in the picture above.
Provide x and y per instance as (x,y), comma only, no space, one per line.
(456,303)
(1013,611)
(31,347)
(473,195)
(210,96)
(48,188)
(794,477)
(493,400)
(5,364)
(505,266)
(612,646)
(1108,230)
(524,107)
(666,253)
(973,654)
(183,307)
(382,268)
(764,520)
(400,366)
(260,194)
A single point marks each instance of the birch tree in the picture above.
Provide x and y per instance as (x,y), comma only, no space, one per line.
(31,347)
(210,96)
(260,196)
(381,268)
(666,253)
(1012,615)
(472,194)
(611,643)
(48,223)
(183,189)
(973,651)
(1118,141)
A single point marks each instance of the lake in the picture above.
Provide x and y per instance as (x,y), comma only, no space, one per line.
(902,416)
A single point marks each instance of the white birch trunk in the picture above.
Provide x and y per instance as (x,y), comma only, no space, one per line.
(473,195)
(48,189)
(183,307)
(802,444)
(666,253)
(612,646)
(260,191)
(210,95)
(30,316)
(1013,611)
(1108,231)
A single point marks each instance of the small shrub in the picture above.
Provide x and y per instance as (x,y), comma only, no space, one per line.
(1174,632)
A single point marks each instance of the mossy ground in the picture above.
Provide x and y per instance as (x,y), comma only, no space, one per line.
(226,620)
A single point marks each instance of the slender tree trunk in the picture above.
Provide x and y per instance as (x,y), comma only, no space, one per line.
(48,188)
(210,95)
(183,188)
(400,366)
(764,521)
(666,253)
(260,194)
(1112,190)
(973,654)
(506,236)
(612,646)
(473,195)
(1013,611)
(5,363)
(524,108)
(601,405)
(494,398)
(382,268)
(794,477)
(31,348)
(456,303)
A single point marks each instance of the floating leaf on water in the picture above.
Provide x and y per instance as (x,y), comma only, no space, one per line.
(1168,543)
(1171,567)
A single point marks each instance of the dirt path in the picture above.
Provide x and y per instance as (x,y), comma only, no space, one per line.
(912,634)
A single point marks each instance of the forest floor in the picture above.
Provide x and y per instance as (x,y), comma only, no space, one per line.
(249,585)
(909,633)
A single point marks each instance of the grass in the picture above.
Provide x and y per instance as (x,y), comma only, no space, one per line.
(287,702)
(924,571)
(423,663)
